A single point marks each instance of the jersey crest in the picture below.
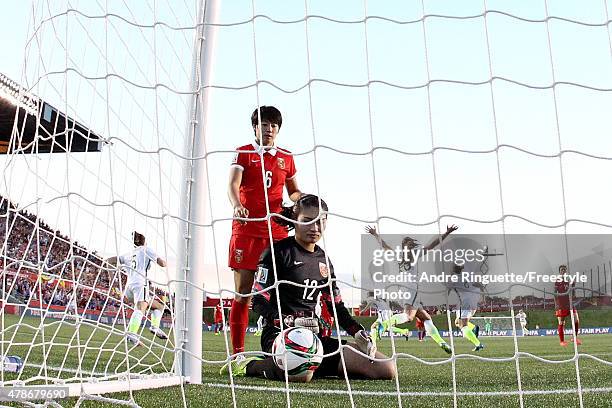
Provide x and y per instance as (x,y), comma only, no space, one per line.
(238,255)
(323,270)
(281,163)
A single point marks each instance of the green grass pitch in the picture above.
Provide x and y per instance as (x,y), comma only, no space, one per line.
(105,353)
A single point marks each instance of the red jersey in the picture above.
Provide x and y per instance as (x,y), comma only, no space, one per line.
(562,300)
(218,314)
(278,166)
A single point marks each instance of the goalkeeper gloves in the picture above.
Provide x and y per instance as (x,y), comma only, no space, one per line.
(365,344)
(311,323)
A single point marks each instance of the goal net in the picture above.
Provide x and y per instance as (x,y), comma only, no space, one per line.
(406,116)
(498,326)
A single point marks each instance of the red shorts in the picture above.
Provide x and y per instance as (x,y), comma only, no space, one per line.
(419,323)
(244,251)
(565,312)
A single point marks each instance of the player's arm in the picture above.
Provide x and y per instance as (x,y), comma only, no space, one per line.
(264,278)
(153,256)
(334,299)
(233,188)
(293,189)
(438,239)
(372,231)
(112,260)
(291,182)
(116,260)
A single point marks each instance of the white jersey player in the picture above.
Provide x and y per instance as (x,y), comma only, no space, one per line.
(413,308)
(136,265)
(523,321)
(469,294)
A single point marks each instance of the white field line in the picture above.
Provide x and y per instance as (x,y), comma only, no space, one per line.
(407,393)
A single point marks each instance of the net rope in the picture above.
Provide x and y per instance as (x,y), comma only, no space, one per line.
(165,215)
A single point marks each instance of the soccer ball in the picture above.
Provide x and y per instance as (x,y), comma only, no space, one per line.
(304,352)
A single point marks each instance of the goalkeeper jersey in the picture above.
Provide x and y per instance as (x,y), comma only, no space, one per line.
(298,266)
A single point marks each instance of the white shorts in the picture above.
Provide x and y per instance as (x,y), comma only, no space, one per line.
(138,293)
(523,322)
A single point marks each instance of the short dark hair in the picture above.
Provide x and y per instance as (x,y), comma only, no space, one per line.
(292,212)
(138,238)
(269,114)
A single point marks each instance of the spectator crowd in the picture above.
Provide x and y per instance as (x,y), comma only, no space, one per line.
(39,263)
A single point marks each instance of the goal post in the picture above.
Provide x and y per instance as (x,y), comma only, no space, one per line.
(190,279)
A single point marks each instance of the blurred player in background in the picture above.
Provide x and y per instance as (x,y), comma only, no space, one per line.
(387,321)
(420,326)
(411,266)
(469,295)
(137,264)
(252,177)
(488,327)
(523,321)
(563,291)
(326,319)
(300,261)
(218,318)
(260,321)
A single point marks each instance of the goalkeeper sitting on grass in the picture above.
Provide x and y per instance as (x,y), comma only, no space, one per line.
(305,271)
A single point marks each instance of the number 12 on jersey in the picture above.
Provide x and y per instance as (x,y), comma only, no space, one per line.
(311,285)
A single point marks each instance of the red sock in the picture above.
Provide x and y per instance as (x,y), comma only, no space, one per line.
(576,328)
(560,330)
(238,320)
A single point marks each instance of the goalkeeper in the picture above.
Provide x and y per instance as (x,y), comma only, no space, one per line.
(305,272)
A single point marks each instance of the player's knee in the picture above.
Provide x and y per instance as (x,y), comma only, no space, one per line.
(241,298)
(386,370)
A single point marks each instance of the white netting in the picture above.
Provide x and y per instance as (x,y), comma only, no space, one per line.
(410,115)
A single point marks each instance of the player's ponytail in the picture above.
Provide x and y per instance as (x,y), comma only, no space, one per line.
(292,212)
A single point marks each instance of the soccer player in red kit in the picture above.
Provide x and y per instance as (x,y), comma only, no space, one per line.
(218,318)
(420,326)
(327,321)
(247,182)
(562,301)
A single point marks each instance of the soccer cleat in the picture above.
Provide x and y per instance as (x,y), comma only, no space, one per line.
(476,330)
(578,341)
(216,333)
(563,343)
(132,338)
(444,346)
(158,332)
(238,365)
(478,347)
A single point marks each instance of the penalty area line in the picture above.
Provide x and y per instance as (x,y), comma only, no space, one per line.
(408,393)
